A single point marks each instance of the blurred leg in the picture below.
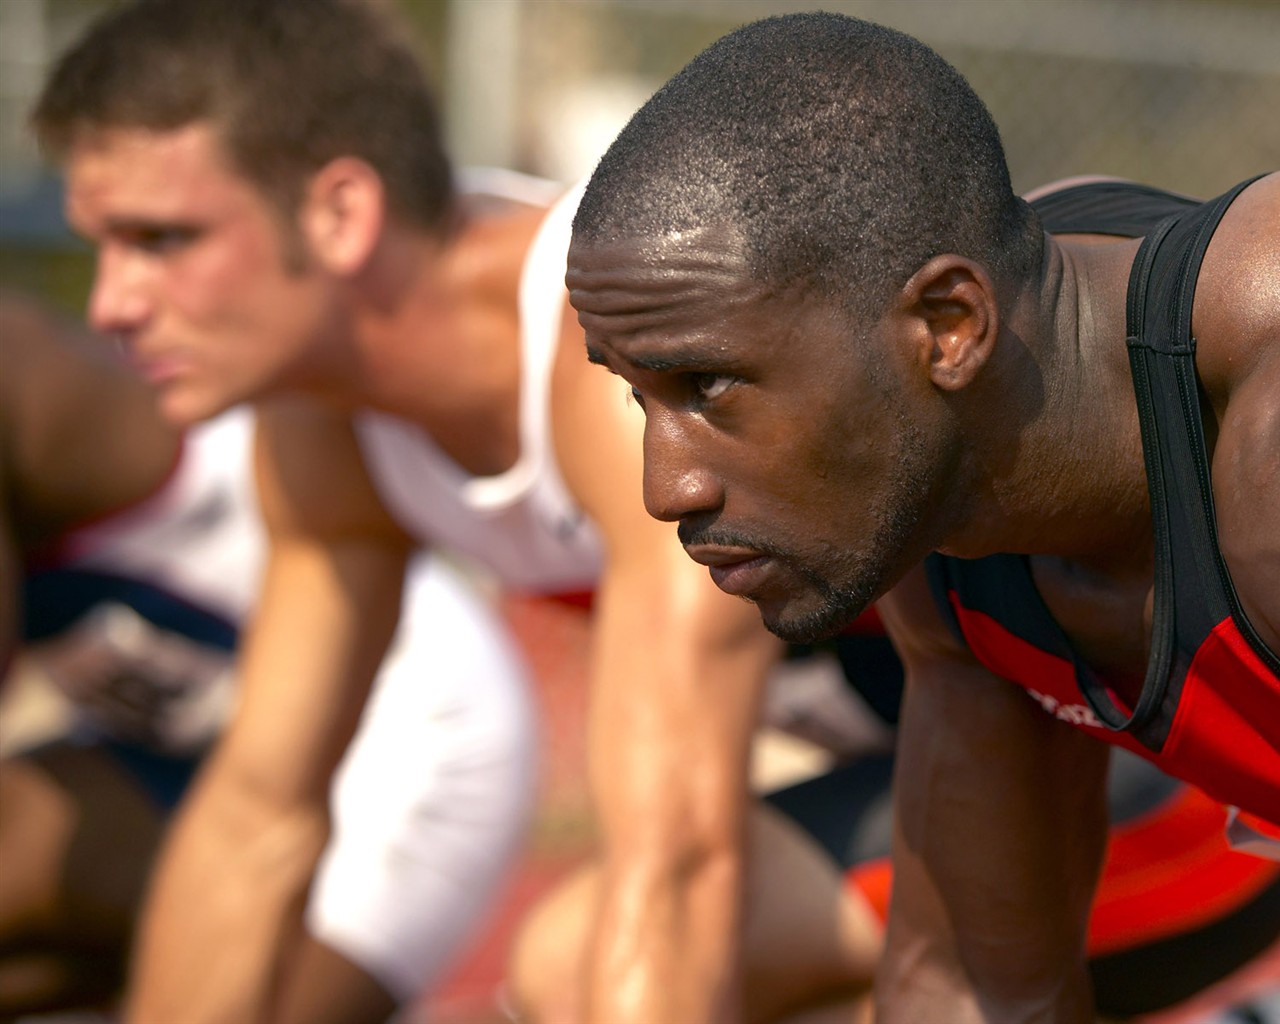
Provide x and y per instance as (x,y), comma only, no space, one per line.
(77,837)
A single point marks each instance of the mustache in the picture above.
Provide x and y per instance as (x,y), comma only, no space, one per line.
(716,536)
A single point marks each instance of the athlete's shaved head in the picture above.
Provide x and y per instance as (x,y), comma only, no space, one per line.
(847,154)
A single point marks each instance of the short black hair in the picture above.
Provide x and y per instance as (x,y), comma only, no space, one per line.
(848,154)
(288,84)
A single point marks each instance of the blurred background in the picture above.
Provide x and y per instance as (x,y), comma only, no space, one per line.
(1180,93)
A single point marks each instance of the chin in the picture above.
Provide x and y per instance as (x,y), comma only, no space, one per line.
(818,608)
(181,408)
(798,625)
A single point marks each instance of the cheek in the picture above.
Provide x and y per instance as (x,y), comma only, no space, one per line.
(211,291)
(239,273)
(833,470)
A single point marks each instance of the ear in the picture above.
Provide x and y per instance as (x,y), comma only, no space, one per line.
(951,303)
(343,213)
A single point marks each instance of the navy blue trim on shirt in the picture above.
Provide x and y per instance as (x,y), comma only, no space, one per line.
(54,599)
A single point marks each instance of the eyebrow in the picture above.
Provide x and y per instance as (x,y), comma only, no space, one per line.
(690,357)
(128,224)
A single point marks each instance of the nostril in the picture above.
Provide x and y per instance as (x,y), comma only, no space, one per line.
(681,494)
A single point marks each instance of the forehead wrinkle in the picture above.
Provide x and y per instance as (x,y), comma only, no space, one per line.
(661,305)
(674,316)
(643,265)
(670,302)
(646,273)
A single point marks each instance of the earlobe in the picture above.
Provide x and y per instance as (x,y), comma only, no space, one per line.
(953,303)
(342,214)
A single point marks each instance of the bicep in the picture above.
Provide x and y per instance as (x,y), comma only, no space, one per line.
(1236,319)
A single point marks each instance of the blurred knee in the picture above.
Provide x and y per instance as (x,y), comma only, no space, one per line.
(36,824)
(548,960)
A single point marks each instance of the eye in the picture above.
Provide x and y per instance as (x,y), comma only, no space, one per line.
(634,397)
(159,240)
(710,386)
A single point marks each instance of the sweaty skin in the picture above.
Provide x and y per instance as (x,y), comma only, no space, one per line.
(718,379)
(341,308)
(784,475)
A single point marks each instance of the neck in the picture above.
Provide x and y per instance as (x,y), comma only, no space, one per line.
(402,310)
(1062,471)
(436,332)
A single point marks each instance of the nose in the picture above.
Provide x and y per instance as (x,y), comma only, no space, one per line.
(118,302)
(677,484)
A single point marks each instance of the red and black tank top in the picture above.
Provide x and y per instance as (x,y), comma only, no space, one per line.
(1209,709)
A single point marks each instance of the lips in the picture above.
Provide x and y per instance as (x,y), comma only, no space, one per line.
(156,368)
(737,571)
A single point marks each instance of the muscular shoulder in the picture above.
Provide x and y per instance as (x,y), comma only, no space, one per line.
(311,475)
(1237,325)
(1237,307)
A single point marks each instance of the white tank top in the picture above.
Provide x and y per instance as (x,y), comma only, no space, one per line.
(136,616)
(521,524)
(185,537)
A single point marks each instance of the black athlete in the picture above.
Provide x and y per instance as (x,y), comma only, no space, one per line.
(855,346)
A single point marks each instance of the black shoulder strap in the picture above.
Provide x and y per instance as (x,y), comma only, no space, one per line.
(1124,208)
(935,571)
(1187,560)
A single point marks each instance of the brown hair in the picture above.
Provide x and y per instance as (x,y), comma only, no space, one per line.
(288,84)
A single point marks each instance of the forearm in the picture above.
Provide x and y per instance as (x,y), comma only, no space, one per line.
(224,909)
(10,612)
(668,942)
(223,917)
(224,913)
(923,977)
(992,872)
(671,733)
(999,828)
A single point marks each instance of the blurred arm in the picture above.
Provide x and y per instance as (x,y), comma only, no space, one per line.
(9,569)
(59,467)
(226,902)
(1000,823)
(677,672)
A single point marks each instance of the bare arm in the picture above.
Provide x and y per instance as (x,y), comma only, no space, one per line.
(226,903)
(9,568)
(1237,321)
(83,435)
(999,833)
(677,673)
(60,465)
